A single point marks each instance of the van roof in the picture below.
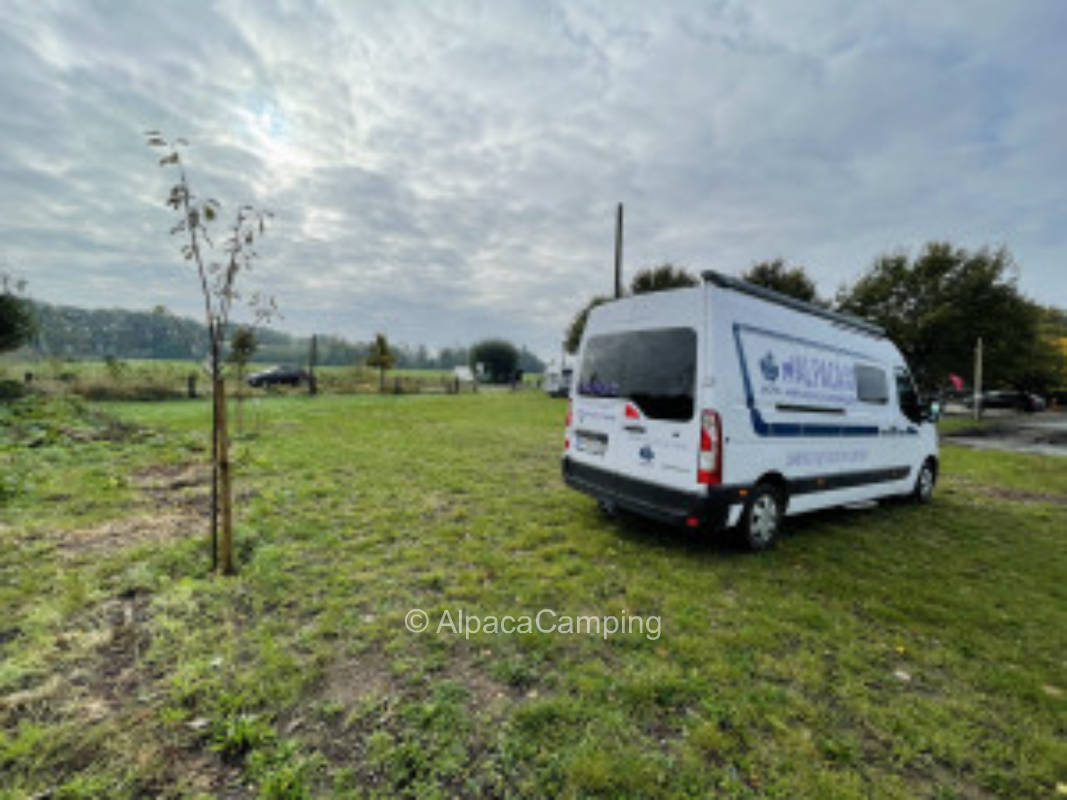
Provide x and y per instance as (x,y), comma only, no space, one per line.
(762,292)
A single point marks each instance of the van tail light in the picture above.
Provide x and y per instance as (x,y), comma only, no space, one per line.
(567,424)
(709,459)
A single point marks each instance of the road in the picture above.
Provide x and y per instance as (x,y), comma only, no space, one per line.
(1044,433)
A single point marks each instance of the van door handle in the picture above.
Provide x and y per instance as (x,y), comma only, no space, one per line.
(634,428)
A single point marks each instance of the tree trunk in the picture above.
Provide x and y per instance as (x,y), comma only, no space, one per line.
(226,543)
(381,380)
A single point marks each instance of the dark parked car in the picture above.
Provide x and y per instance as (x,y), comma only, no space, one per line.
(275,376)
(1020,401)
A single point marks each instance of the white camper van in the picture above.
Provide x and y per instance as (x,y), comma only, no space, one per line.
(731,405)
(558,380)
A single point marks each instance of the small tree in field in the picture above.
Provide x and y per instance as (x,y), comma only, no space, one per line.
(382,357)
(243,346)
(499,356)
(17,323)
(218,284)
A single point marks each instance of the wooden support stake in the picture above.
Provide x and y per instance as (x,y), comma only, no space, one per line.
(225,495)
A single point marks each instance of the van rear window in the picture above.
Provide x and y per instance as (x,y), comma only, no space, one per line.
(654,369)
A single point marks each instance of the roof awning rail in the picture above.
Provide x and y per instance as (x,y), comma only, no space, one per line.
(762,292)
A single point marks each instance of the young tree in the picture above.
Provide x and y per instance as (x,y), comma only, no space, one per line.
(572,339)
(218,285)
(381,356)
(776,275)
(657,279)
(243,346)
(17,320)
(313,359)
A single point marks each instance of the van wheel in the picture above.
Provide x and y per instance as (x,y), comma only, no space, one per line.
(924,483)
(761,518)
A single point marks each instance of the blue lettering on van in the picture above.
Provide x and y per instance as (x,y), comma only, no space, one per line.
(598,388)
(824,458)
(793,366)
(646,453)
(812,372)
(595,416)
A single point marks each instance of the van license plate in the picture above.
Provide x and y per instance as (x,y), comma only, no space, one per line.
(592,443)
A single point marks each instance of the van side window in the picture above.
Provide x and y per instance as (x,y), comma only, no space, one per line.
(871,385)
(908,396)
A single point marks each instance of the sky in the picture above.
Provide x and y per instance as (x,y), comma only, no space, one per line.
(443,172)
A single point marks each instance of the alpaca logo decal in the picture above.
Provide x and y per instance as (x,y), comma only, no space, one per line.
(769,367)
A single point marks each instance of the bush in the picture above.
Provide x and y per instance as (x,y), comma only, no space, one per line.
(135,391)
(12,390)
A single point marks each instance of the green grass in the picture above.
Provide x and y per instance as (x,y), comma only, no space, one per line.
(947,426)
(894,652)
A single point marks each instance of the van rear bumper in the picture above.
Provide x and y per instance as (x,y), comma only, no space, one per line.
(675,507)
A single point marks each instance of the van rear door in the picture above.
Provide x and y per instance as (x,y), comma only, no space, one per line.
(635,405)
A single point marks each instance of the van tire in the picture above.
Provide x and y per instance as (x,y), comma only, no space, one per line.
(925,480)
(761,518)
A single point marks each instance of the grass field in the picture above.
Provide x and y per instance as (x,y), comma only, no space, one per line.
(892,652)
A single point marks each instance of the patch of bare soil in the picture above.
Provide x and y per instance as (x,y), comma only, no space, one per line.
(487,695)
(202,773)
(106,647)
(1020,495)
(171,477)
(185,486)
(1013,495)
(160,526)
(364,677)
(107,677)
(178,504)
(360,695)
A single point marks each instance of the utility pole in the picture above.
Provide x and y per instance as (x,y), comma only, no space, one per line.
(978,379)
(618,252)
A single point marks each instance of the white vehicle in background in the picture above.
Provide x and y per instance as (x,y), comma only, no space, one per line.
(558,380)
(731,405)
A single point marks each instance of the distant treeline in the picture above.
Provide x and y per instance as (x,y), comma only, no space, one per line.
(70,332)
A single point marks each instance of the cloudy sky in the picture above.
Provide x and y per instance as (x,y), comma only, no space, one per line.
(448,171)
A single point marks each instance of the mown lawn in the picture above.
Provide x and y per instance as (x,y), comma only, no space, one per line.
(889,652)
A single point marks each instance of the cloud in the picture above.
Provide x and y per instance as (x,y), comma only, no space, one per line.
(449,170)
